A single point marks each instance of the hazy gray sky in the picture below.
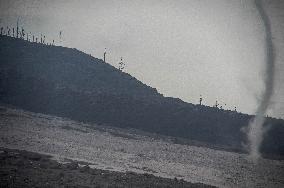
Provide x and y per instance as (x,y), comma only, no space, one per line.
(183,48)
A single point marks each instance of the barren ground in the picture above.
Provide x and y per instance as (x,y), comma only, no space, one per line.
(121,150)
(21,169)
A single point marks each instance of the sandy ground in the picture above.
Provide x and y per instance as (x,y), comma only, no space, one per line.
(119,150)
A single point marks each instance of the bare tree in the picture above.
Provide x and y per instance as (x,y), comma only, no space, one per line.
(121,64)
(9,31)
(30,35)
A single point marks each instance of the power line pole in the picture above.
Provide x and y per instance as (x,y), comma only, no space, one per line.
(17,28)
(23,33)
(200,100)
(60,36)
(105,56)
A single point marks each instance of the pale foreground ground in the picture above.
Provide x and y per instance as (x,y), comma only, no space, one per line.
(119,150)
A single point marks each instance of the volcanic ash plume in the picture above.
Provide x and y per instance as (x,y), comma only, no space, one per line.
(256,128)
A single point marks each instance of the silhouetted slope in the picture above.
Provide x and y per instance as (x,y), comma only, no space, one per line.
(69,83)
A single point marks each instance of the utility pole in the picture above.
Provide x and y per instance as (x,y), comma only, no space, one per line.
(17,28)
(200,100)
(60,36)
(23,33)
(105,56)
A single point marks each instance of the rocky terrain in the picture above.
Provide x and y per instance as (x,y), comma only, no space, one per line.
(122,150)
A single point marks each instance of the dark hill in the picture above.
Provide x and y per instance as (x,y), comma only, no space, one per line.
(68,83)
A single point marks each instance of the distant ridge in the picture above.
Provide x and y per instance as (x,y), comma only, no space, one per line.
(69,83)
